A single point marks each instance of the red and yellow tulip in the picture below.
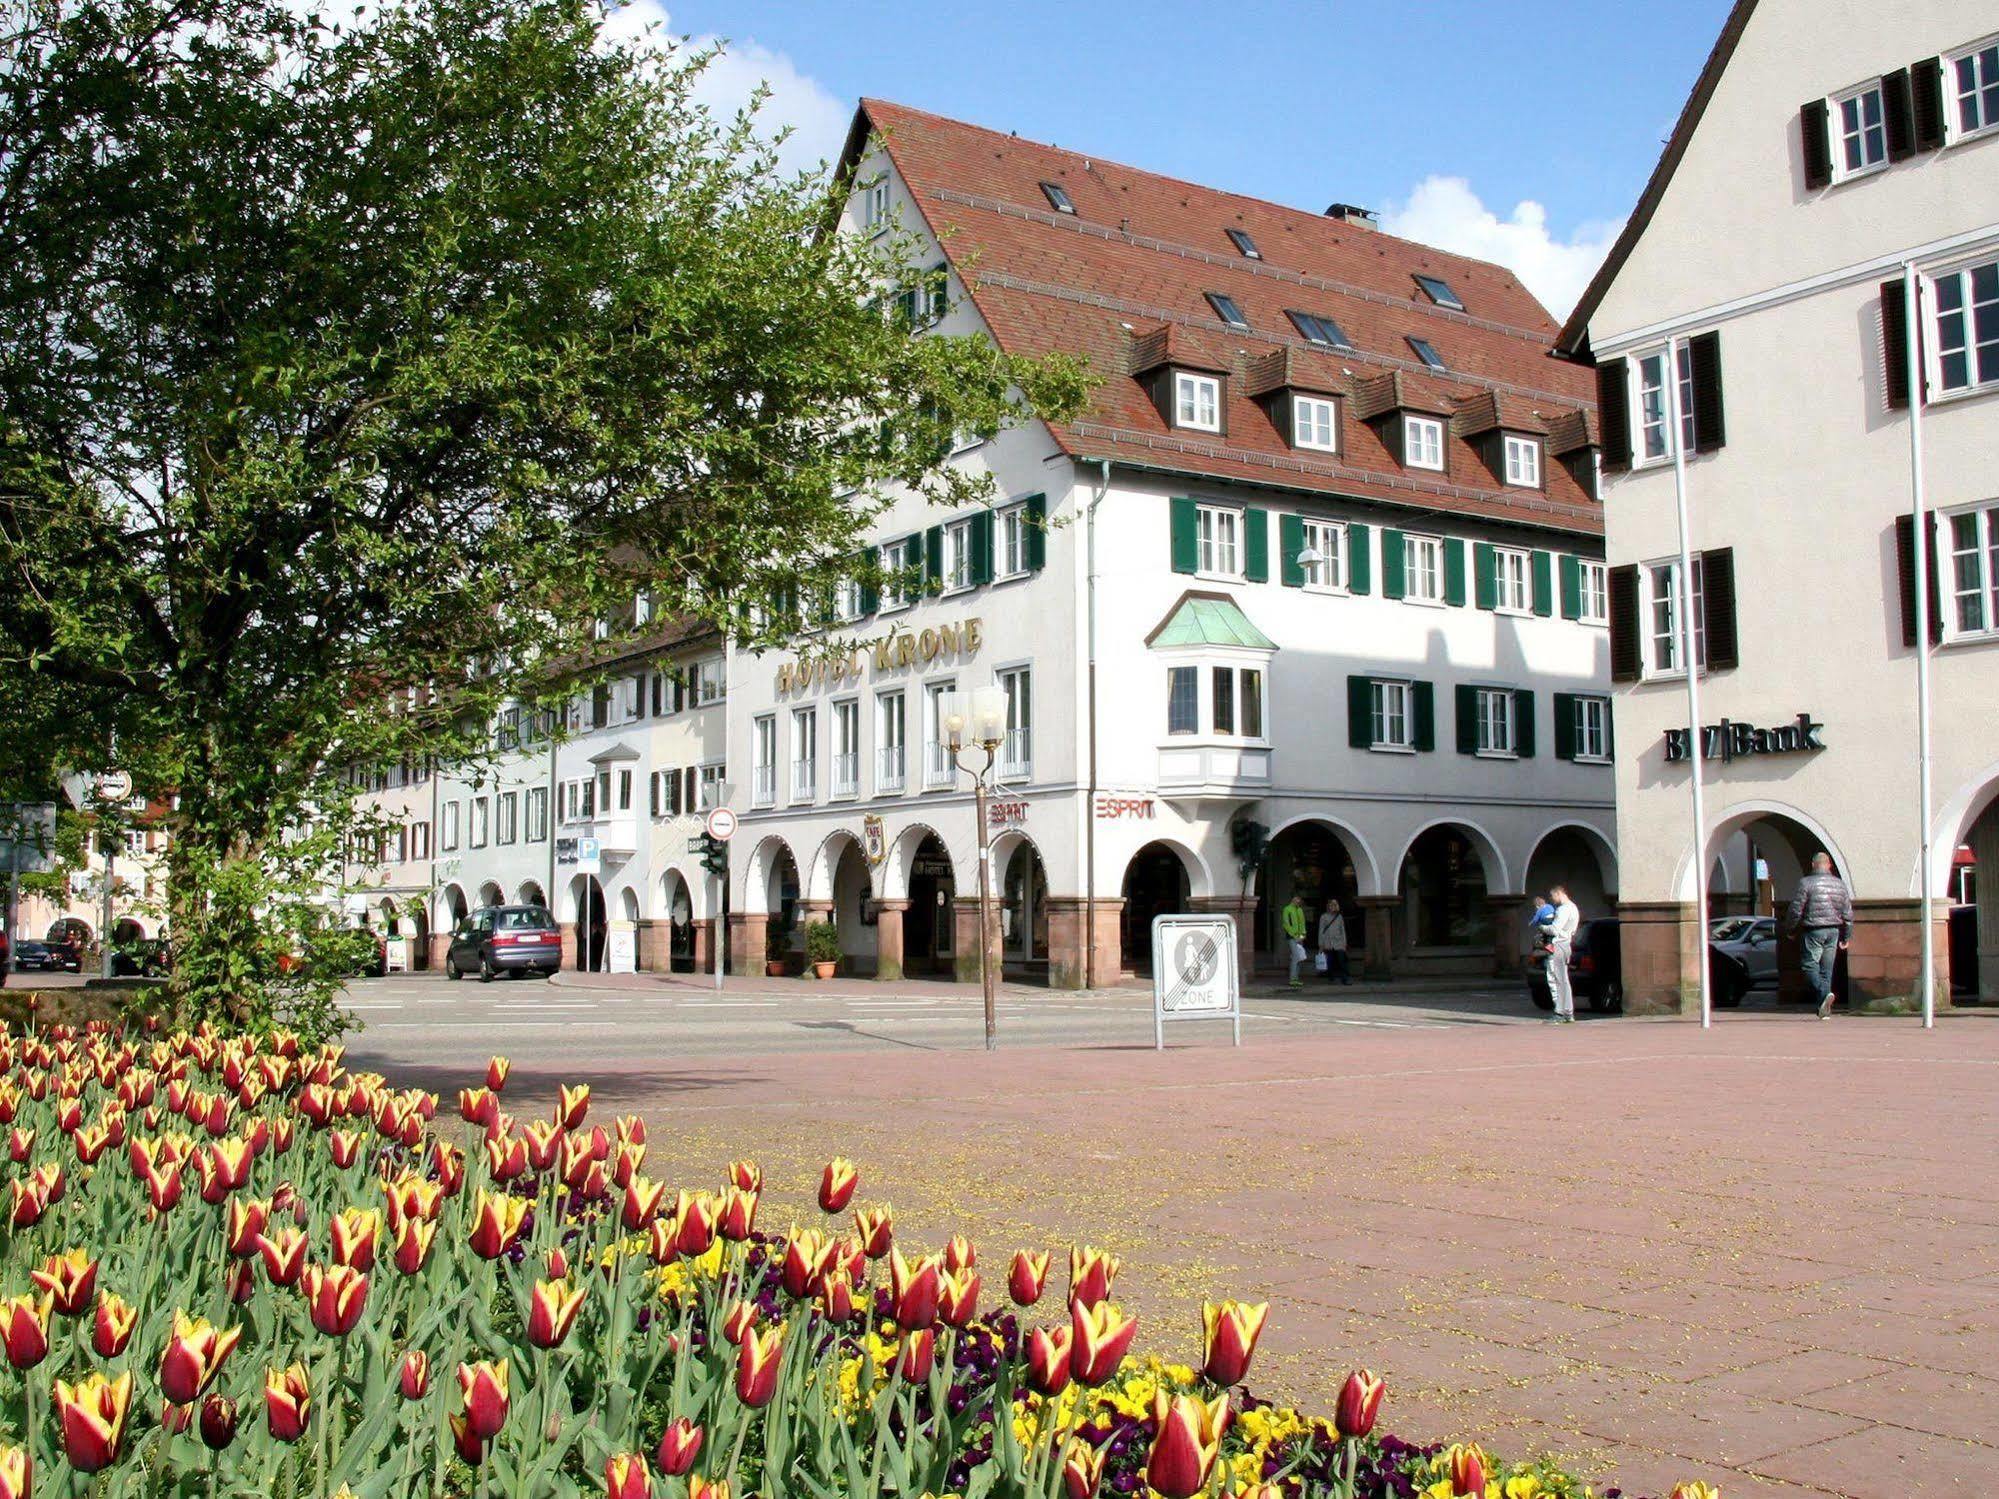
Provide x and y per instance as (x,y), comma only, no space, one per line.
(553,1307)
(483,1386)
(1187,1438)
(193,1356)
(757,1362)
(1232,1329)
(91,1414)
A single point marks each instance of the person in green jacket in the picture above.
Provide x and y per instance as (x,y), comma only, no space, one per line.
(1294,937)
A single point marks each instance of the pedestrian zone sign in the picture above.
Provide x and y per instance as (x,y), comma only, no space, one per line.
(1194,973)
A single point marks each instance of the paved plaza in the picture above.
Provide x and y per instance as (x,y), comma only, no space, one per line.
(1767,1254)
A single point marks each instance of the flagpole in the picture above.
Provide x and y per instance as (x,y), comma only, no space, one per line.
(1920,543)
(1685,621)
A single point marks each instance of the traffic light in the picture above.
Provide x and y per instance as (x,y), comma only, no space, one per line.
(714,854)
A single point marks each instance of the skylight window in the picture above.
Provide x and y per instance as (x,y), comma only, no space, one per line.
(1319,330)
(1426,353)
(1440,292)
(1245,245)
(1058,197)
(1226,309)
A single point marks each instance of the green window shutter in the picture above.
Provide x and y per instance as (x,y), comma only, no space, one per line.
(1467,720)
(1360,712)
(1360,556)
(871,598)
(1523,723)
(1256,545)
(1034,533)
(1543,569)
(1423,700)
(905,308)
(933,559)
(1485,575)
(1393,585)
(1290,542)
(1186,540)
(1565,726)
(1454,571)
(982,546)
(1572,587)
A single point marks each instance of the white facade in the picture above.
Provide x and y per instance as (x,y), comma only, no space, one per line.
(1744,242)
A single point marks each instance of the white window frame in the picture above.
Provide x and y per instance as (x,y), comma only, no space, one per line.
(958,555)
(1593,591)
(507,818)
(845,776)
(1218,541)
(419,844)
(1421,547)
(896,592)
(447,836)
(891,741)
(537,815)
(1523,461)
(939,768)
(1197,401)
(875,204)
(1592,730)
(1933,340)
(1392,705)
(1512,580)
(804,754)
(1010,542)
(1016,755)
(1954,92)
(1423,443)
(1837,106)
(846,601)
(1647,388)
(1315,423)
(1659,621)
(1190,673)
(708,788)
(709,685)
(763,760)
(1329,539)
(1498,723)
(1983,556)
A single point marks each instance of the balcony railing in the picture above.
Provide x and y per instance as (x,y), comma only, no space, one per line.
(804,780)
(939,769)
(888,768)
(764,791)
(1016,756)
(847,773)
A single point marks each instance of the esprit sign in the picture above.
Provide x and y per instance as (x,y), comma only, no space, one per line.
(1729,740)
(903,650)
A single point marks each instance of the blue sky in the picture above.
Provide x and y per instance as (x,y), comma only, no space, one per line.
(1520,130)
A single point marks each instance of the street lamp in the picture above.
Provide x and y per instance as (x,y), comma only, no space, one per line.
(1309,558)
(977,720)
(717,927)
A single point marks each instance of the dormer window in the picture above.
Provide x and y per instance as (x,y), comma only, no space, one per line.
(1058,197)
(1427,352)
(1245,246)
(1226,310)
(1439,291)
(1315,424)
(1315,329)
(1197,401)
(1523,461)
(1422,442)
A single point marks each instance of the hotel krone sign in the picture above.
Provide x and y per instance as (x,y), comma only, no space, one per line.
(901,650)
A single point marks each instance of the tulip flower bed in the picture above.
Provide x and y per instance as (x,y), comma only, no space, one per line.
(233,1267)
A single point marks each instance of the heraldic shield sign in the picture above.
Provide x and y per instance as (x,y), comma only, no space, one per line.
(1194,975)
(874,843)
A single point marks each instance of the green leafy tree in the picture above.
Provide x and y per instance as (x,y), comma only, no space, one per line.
(347,375)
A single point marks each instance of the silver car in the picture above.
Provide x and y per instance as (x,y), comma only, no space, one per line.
(1752,942)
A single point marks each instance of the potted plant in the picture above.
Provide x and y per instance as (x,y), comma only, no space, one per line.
(773,951)
(822,948)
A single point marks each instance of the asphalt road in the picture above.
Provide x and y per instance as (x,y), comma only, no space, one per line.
(421,1020)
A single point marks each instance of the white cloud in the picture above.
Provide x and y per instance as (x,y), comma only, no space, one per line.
(816,118)
(1445,212)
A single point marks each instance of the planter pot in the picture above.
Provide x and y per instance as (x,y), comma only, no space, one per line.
(774,968)
(824,970)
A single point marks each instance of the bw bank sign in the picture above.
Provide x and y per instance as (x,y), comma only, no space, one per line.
(1729,740)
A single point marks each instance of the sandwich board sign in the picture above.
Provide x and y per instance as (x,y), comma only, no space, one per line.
(1194,972)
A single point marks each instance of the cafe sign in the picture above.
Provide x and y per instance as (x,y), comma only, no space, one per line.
(1729,740)
(900,650)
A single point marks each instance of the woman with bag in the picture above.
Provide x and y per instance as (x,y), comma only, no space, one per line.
(1333,944)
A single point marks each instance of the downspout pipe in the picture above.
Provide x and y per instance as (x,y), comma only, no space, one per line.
(1090,799)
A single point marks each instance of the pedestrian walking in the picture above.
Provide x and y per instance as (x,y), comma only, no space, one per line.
(1822,911)
(1294,937)
(1561,942)
(1333,943)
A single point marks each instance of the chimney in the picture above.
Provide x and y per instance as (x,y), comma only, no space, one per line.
(1352,213)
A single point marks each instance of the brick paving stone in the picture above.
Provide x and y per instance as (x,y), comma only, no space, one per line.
(1880,1461)
(1952,1405)
(1795,1376)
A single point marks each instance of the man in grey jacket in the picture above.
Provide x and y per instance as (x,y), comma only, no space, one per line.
(1822,909)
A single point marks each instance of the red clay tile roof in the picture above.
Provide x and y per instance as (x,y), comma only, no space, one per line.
(1136,258)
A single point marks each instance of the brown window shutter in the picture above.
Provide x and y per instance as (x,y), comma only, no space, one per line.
(1926,104)
(1905,568)
(1613,412)
(1898,115)
(1704,354)
(1624,659)
(1895,342)
(1814,133)
(1718,609)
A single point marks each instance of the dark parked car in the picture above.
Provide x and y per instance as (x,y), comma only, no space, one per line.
(146,958)
(1596,969)
(31,956)
(505,939)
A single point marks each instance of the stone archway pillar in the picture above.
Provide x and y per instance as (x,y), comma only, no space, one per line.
(1242,910)
(1069,964)
(655,945)
(748,931)
(965,939)
(702,930)
(888,940)
(1506,915)
(1378,952)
